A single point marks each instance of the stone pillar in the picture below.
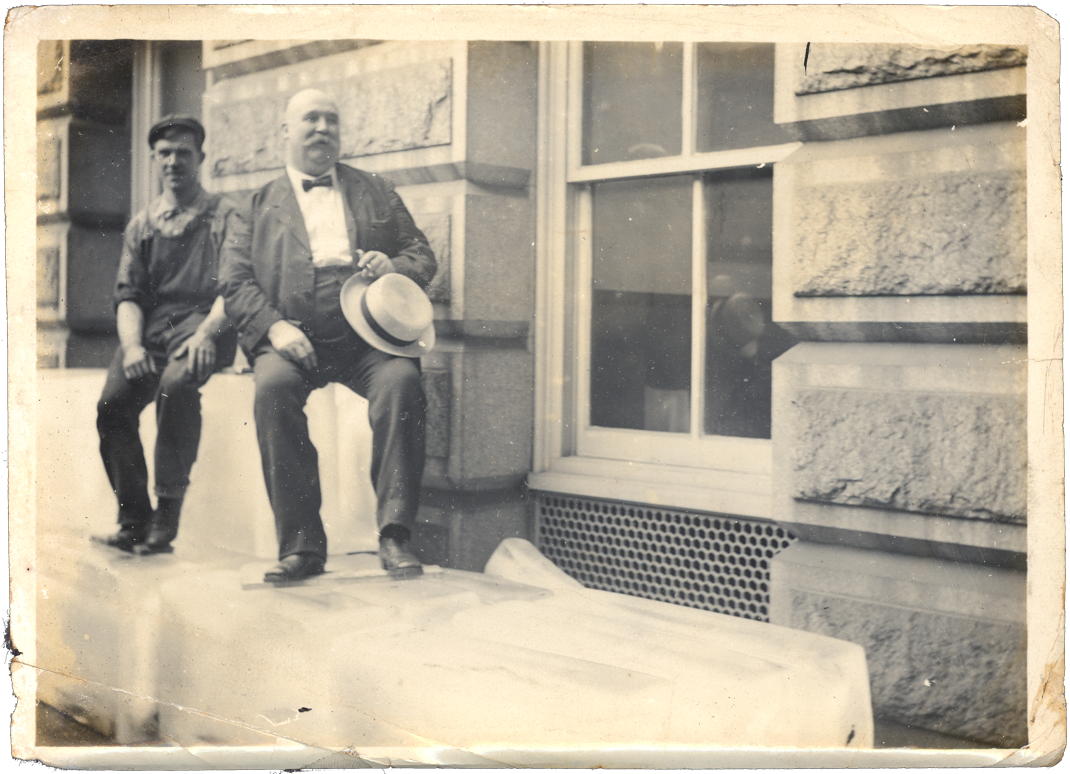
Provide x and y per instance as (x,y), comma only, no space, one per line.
(83,195)
(899,423)
(452,124)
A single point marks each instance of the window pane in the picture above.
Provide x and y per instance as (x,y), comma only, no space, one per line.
(641,304)
(735,96)
(181,77)
(631,100)
(741,339)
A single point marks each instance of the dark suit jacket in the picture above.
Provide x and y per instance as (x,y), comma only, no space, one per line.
(267,273)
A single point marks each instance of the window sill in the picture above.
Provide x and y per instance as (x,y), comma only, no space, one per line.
(716,491)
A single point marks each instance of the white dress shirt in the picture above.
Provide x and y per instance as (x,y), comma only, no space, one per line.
(325,220)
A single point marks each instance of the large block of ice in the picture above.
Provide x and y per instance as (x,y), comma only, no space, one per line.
(98,632)
(465,660)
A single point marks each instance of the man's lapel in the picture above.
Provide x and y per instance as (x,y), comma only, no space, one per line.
(353,192)
(284,205)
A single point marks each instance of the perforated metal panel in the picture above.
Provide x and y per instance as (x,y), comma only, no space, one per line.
(718,563)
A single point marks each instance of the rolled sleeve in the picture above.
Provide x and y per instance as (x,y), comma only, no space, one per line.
(132,279)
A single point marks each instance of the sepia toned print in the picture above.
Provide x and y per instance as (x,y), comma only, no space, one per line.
(733,441)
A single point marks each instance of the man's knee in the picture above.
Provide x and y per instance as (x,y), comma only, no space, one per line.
(398,387)
(278,387)
(401,376)
(177,381)
(112,410)
(119,402)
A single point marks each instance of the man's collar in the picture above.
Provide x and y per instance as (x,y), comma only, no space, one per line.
(165,207)
(296,176)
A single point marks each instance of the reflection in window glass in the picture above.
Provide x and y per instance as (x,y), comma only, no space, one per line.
(741,339)
(632,96)
(641,304)
(735,96)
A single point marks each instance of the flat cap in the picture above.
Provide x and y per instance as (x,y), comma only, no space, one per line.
(180,121)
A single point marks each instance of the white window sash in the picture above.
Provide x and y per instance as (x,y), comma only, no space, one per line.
(564,340)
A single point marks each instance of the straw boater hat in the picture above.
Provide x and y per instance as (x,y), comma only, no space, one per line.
(392,314)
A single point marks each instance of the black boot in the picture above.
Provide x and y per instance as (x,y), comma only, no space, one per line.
(129,537)
(394,553)
(163,527)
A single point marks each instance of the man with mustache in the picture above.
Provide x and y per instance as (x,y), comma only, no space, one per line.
(173,334)
(285,259)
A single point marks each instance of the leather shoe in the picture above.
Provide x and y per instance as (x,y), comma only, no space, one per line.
(398,560)
(294,567)
(126,539)
(163,528)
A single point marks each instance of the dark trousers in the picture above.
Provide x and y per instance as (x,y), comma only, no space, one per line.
(178,433)
(396,407)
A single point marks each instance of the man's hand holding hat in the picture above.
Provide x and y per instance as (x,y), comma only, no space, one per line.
(374,264)
(391,312)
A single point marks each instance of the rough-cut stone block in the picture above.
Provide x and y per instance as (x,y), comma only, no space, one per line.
(912,236)
(952,674)
(436,227)
(51,345)
(477,529)
(49,154)
(245,135)
(382,111)
(957,233)
(437,389)
(944,640)
(50,66)
(501,99)
(835,66)
(495,422)
(397,109)
(499,257)
(817,94)
(48,277)
(957,454)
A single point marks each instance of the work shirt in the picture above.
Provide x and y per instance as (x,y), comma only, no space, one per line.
(323,211)
(170,266)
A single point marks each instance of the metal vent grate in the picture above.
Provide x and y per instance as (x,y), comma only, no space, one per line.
(718,563)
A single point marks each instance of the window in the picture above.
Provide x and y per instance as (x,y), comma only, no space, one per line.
(676,241)
(168,78)
(665,192)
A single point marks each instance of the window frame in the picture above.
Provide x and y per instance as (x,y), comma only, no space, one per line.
(147,106)
(692,469)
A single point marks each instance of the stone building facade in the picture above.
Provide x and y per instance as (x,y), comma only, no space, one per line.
(736,326)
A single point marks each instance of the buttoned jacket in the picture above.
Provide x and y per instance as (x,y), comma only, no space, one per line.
(267,270)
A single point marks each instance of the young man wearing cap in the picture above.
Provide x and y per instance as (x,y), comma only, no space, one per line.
(173,334)
(285,260)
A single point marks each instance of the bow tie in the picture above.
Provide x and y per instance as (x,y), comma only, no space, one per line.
(324,181)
